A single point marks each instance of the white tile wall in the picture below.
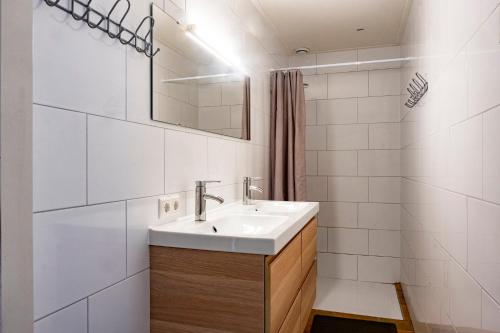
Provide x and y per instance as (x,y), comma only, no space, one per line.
(337,163)
(119,165)
(491,177)
(317,87)
(315,137)
(347,137)
(340,266)
(384,136)
(77,252)
(59,157)
(317,188)
(385,189)
(95,143)
(378,163)
(123,307)
(384,82)
(378,269)
(350,189)
(466,157)
(337,111)
(55,73)
(322,239)
(383,109)
(71,319)
(352,150)
(222,160)
(311,163)
(311,112)
(490,314)
(348,241)
(178,160)
(483,245)
(352,84)
(384,243)
(379,216)
(449,191)
(338,214)
(465,298)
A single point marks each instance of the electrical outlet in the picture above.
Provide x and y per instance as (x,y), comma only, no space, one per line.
(168,206)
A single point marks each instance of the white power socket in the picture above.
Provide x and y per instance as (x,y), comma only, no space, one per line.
(168,206)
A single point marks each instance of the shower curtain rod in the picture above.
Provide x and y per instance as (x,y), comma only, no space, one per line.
(342,64)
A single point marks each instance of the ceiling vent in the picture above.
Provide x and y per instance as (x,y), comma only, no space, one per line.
(302,50)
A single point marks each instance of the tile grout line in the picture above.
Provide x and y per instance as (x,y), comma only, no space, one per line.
(86,160)
(92,294)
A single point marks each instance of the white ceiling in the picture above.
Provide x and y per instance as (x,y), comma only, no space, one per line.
(327,25)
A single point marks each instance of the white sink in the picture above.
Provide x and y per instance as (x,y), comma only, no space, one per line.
(279,207)
(234,225)
(263,228)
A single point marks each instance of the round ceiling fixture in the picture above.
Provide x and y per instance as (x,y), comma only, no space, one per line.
(302,50)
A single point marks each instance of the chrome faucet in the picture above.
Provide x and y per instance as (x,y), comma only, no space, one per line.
(200,210)
(248,188)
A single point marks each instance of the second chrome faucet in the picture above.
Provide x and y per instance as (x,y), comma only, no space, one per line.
(248,188)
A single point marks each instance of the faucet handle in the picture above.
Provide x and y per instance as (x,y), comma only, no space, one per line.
(252,178)
(205,182)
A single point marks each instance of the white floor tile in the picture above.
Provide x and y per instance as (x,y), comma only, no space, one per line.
(355,297)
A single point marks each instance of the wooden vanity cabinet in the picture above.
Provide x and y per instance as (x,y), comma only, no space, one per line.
(208,291)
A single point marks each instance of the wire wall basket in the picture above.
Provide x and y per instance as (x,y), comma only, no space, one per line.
(418,88)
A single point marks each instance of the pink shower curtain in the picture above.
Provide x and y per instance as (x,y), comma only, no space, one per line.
(287,146)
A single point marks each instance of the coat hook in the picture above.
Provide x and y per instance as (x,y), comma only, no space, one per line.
(52,3)
(120,22)
(87,9)
(95,25)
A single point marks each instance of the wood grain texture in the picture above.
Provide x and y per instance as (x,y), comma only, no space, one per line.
(292,323)
(283,280)
(196,291)
(308,296)
(309,247)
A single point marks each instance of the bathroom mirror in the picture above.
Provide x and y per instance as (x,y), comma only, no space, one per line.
(193,86)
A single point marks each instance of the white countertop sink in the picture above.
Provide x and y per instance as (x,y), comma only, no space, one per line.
(263,228)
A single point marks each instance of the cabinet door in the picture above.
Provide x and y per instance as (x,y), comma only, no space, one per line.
(292,323)
(308,292)
(308,246)
(284,275)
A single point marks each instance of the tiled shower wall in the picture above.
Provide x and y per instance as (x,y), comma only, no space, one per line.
(450,161)
(353,162)
(100,163)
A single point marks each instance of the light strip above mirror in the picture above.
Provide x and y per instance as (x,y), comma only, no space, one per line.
(192,35)
(199,77)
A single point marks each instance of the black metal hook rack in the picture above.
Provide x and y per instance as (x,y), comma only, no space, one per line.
(80,10)
(417,90)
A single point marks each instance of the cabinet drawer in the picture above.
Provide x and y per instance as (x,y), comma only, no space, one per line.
(308,246)
(308,293)
(284,275)
(292,323)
